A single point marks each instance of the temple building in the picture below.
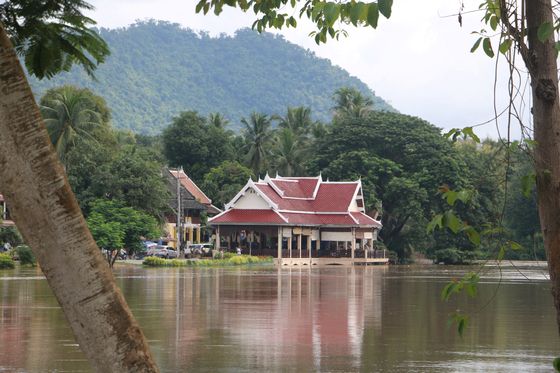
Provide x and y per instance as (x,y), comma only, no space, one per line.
(301,221)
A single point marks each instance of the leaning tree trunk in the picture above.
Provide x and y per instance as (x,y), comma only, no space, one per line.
(47,214)
(541,61)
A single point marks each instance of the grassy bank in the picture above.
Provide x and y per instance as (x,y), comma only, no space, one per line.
(231,261)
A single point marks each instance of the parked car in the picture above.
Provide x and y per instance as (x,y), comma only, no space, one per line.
(199,248)
(166,252)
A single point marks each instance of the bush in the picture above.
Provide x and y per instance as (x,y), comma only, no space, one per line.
(233,260)
(252,259)
(154,261)
(26,257)
(6,262)
(238,259)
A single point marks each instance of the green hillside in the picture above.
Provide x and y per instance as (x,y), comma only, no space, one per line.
(158,69)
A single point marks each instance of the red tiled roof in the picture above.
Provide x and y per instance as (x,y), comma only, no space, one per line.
(324,202)
(364,219)
(334,197)
(192,188)
(291,189)
(1,198)
(248,216)
(297,205)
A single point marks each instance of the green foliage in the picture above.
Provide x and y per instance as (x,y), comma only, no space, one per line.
(232,260)
(258,135)
(112,223)
(223,183)
(70,114)
(323,14)
(469,285)
(10,234)
(6,262)
(154,261)
(401,160)
(190,141)
(26,256)
(53,36)
(144,95)
(131,176)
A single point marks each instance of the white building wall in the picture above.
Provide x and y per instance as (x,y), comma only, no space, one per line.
(251,200)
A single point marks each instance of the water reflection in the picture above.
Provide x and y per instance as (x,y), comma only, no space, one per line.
(298,319)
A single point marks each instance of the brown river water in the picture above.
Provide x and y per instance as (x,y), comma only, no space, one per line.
(300,319)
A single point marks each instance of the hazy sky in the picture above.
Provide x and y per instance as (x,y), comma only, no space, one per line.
(419,60)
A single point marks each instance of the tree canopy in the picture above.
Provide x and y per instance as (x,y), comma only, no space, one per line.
(52,36)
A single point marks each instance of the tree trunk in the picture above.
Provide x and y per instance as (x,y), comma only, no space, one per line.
(546,119)
(47,214)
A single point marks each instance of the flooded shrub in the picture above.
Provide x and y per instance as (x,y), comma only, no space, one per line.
(6,262)
(153,261)
(238,259)
(26,257)
(252,259)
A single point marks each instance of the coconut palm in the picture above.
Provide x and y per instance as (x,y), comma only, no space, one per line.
(258,136)
(68,116)
(297,119)
(349,102)
(218,120)
(124,139)
(33,181)
(288,152)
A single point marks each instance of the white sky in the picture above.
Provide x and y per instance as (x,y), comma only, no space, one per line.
(418,60)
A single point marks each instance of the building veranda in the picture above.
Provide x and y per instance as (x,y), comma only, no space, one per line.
(300,221)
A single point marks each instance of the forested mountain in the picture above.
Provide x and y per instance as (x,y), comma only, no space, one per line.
(158,69)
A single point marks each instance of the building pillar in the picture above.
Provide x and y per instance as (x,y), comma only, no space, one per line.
(250,241)
(353,241)
(191,235)
(290,246)
(309,245)
(198,234)
(280,243)
(229,243)
(218,241)
(299,244)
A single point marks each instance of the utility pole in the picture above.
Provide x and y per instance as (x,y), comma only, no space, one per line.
(179,209)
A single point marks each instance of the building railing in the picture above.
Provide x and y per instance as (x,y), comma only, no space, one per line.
(343,253)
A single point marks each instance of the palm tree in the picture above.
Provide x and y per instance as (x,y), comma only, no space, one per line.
(288,151)
(33,182)
(218,120)
(124,139)
(349,102)
(297,119)
(69,117)
(258,136)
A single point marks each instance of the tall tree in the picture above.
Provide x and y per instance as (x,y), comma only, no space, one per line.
(258,136)
(42,205)
(218,120)
(196,145)
(297,119)
(401,160)
(222,183)
(288,153)
(68,115)
(349,102)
